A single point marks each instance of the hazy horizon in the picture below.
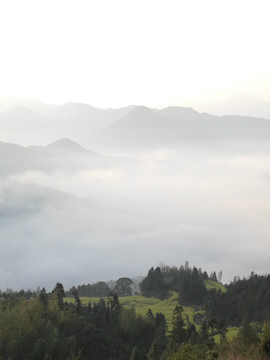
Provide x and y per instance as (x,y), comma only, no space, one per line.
(185,186)
(158,184)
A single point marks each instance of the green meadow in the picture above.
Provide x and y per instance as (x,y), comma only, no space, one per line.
(166,307)
(142,304)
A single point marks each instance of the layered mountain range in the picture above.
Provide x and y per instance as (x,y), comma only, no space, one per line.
(131,128)
(89,194)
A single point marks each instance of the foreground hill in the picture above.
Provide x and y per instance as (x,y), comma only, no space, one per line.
(37,325)
(142,304)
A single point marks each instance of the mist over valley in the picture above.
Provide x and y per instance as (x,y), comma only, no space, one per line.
(88,194)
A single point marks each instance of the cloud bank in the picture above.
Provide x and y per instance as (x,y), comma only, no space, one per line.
(84,224)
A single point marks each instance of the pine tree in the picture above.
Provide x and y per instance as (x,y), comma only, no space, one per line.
(178,333)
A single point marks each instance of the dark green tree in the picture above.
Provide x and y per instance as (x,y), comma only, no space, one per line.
(123,287)
(43,297)
(60,293)
(150,315)
(178,332)
(77,299)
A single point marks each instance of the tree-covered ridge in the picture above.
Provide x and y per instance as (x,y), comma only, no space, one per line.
(101,289)
(188,282)
(44,326)
(40,325)
(247,298)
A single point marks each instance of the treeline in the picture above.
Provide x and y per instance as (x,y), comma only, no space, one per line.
(101,289)
(40,325)
(247,298)
(44,326)
(159,282)
(188,282)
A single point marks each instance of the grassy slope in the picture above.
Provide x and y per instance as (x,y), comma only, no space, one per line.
(209,284)
(166,307)
(142,304)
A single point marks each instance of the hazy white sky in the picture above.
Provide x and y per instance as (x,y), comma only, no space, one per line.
(114,53)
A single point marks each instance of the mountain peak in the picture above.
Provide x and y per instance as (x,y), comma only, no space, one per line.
(141,112)
(66,145)
(180,110)
(142,109)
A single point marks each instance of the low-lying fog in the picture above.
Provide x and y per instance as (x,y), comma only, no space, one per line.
(101,217)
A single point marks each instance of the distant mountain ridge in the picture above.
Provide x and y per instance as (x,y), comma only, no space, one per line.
(145,128)
(26,126)
(129,128)
(238,104)
(63,154)
(66,145)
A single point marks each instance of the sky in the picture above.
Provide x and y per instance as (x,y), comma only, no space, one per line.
(116,53)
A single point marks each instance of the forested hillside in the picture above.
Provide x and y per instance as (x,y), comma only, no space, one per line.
(42,325)
(247,298)
(189,283)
